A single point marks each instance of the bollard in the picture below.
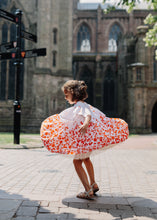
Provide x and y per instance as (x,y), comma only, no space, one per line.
(17,117)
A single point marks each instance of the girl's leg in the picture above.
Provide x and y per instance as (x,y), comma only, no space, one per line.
(82,175)
(90,170)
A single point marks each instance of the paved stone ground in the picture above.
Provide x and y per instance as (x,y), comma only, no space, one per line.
(38,185)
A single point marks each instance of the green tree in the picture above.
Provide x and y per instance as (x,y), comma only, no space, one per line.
(150,20)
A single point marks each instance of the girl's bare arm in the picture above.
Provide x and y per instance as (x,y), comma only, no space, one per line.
(83,128)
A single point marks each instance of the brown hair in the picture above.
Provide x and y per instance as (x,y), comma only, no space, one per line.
(77,89)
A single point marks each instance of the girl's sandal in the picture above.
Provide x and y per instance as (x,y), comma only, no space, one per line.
(94,189)
(85,195)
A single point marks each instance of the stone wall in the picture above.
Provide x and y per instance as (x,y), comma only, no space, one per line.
(137,82)
(42,80)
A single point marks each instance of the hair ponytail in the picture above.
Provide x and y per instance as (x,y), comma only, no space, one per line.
(77,89)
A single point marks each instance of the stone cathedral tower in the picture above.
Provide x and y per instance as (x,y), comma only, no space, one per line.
(41,77)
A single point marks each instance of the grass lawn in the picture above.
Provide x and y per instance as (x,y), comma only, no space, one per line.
(8,138)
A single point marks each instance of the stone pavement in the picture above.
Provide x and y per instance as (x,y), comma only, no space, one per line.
(38,185)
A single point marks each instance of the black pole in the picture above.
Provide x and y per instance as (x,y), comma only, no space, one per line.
(17,63)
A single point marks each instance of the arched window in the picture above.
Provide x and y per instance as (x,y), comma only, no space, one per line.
(55,36)
(3,65)
(13,32)
(54,54)
(13,10)
(115,32)
(22,67)
(3,80)
(109,90)
(11,83)
(3,3)
(155,67)
(22,40)
(138,74)
(83,39)
(4,33)
(11,89)
(8,73)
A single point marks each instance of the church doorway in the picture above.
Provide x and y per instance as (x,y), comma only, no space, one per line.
(109,98)
(154,118)
(86,75)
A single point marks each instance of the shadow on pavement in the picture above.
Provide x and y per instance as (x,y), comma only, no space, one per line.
(120,207)
(17,207)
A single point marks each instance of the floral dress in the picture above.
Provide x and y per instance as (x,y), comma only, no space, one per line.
(60,133)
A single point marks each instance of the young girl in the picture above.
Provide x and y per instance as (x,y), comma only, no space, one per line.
(80,131)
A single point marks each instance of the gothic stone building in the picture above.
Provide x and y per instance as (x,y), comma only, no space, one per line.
(105,50)
(137,82)
(41,77)
(110,55)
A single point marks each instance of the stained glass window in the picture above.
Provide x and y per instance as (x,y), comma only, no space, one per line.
(115,32)
(83,39)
